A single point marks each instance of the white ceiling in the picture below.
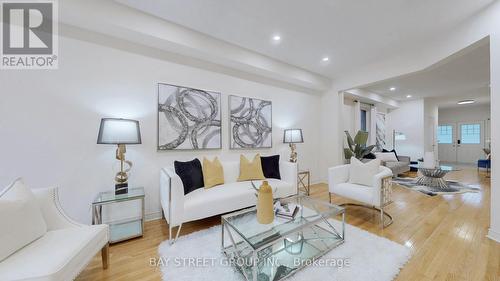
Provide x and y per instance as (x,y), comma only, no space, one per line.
(350,33)
(463,76)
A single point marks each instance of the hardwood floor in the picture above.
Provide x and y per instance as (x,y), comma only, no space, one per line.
(447,236)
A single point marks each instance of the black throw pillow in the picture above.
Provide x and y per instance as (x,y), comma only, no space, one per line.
(393,151)
(271,166)
(370,156)
(190,173)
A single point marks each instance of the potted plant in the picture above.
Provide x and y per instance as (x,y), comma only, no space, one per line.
(357,147)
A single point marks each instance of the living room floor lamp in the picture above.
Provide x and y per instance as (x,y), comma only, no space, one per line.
(293,136)
(120,132)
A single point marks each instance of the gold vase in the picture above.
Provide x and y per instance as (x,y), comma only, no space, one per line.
(265,211)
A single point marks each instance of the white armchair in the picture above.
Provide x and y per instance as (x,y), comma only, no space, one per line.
(375,197)
(62,252)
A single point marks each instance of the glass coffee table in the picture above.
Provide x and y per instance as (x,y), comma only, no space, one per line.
(266,252)
(433,176)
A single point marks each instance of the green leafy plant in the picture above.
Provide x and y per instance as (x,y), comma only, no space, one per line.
(357,147)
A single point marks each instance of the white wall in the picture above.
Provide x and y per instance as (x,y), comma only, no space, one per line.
(49,121)
(408,119)
(349,111)
(431,120)
(465,113)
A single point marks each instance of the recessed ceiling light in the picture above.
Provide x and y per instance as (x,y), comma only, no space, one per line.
(466,102)
(408,96)
(325,59)
(276,38)
(392,89)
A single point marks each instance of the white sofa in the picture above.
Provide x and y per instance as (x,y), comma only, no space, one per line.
(62,252)
(232,195)
(376,196)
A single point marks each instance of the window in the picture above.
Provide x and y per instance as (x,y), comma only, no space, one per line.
(363,120)
(445,134)
(470,133)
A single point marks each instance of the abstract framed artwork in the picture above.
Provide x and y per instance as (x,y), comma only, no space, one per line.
(380,138)
(188,119)
(250,122)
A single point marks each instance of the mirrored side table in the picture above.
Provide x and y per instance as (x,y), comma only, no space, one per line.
(304,181)
(121,229)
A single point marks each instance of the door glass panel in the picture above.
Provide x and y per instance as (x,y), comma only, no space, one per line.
(445,134)
(470,133)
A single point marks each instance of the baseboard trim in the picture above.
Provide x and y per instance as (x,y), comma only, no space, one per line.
(493,235)
(153,216)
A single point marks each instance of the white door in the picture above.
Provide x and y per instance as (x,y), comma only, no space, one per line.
(470,141)
(447,139)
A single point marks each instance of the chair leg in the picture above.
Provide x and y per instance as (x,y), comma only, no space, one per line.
(383,214)
(382,218)
(330,197)
(176,236)
(105,256)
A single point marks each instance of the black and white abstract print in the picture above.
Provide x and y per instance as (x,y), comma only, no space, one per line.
(188,118)
(250,122)
(380,131)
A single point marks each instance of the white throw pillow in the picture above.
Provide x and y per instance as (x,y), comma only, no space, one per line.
(363,173)
(386,156)
(21,220)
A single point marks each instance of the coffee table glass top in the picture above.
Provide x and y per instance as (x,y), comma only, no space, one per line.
(439,167)
(257,235)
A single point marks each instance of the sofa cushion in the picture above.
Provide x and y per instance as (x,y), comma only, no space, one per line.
(394,164)
(231,171)
(393,151)
(363,173)
(250,170)
(21,219)
(356,192)
(213,173)
(271,166)
(58,255)
(386,156)
(228,197)
(191,174)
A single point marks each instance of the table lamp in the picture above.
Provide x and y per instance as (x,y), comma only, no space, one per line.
(120,132)
(293,136)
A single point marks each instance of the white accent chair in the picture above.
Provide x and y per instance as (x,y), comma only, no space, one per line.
(62,252)
(178,208)
(375,197)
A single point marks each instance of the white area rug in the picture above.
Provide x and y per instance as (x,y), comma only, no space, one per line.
(370,257)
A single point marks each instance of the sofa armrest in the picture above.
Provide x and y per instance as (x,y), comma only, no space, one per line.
(336,175)
(52,212)
(171,196)
(377,184)
(288,172)
(404,159)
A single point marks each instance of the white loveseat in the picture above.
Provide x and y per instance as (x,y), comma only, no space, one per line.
(232,195)
(62,252)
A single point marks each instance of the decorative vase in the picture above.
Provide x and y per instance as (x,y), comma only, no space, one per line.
(265,206)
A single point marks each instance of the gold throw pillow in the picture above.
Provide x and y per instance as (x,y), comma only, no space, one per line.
(250,170)
(213,173)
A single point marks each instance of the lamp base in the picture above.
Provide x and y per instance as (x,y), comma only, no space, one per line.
(121,188)
(293,153)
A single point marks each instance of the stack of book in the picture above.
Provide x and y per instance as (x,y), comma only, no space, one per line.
(287,211)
